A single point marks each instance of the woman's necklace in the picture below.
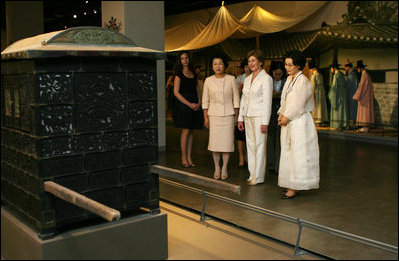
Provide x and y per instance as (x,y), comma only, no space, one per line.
(186,71)
(291,85)
(294,80)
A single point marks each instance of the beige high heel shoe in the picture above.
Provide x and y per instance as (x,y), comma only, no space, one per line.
(216,175)
(224,175)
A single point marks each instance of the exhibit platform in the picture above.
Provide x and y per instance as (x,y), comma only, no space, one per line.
(142,237)
(374,136)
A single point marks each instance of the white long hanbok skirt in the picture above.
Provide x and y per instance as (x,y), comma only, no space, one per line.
(299,160)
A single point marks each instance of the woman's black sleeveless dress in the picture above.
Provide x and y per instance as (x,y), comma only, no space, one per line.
(183,116)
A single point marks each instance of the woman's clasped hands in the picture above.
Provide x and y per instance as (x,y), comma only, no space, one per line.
(195,106)
(282,120)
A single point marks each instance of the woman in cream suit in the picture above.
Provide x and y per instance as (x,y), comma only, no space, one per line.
(255,110)
(220,103)
(299,159)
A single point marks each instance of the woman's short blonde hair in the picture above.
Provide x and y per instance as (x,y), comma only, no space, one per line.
(258,54)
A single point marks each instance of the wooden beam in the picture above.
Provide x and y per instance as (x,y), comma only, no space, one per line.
(194,178)
(79,200)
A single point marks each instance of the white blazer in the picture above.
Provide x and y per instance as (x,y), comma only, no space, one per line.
(256,97)
(220,96)
(297,97)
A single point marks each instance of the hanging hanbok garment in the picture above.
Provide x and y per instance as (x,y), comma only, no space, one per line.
(319,113)
(339,104)
(365,96)
(351,87)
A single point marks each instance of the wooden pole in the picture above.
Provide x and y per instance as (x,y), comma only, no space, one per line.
(194,178)
(257,42)
(79,200)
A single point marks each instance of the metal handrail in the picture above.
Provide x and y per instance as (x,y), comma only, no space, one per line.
(301,223)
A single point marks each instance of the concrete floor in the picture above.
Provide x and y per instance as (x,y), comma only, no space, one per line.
(358,194)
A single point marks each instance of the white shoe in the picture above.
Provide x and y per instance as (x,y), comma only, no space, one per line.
(253,182)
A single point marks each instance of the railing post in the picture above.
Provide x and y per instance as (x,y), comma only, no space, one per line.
(203,207)
(299,251)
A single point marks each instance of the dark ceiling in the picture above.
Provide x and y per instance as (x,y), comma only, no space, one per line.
(59,14)
(176,7)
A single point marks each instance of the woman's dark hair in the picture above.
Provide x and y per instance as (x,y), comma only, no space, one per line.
(219,56)
(259,55)
(298,58)
(179,65)
(243,63)
(275,65)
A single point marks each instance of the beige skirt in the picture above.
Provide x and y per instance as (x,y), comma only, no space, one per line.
(221,133)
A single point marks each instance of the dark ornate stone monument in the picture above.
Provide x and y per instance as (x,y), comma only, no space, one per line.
(79,107)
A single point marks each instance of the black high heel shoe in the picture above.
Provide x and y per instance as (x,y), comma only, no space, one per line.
(186,165)
(289,197)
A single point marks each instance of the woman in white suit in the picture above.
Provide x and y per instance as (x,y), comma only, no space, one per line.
(255,110)
(299,158)
(220,103)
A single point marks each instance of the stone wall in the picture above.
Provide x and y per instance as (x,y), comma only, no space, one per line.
(386,105)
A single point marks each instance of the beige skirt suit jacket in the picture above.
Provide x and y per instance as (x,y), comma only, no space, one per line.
(220,97)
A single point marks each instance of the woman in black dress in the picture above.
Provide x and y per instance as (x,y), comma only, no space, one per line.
(187,113)
(278,72)
(240,135)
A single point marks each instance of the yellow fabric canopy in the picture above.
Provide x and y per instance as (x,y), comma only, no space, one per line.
(221,27)
(257,21)
(260,20)
(189,30)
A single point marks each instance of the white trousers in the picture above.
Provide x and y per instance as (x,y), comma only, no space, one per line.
(256,148)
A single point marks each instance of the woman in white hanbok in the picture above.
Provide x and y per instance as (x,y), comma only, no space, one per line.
(299,159)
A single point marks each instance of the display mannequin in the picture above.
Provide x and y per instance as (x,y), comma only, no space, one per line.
(352,82)
(319,113)
(365,96)
(338,99)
